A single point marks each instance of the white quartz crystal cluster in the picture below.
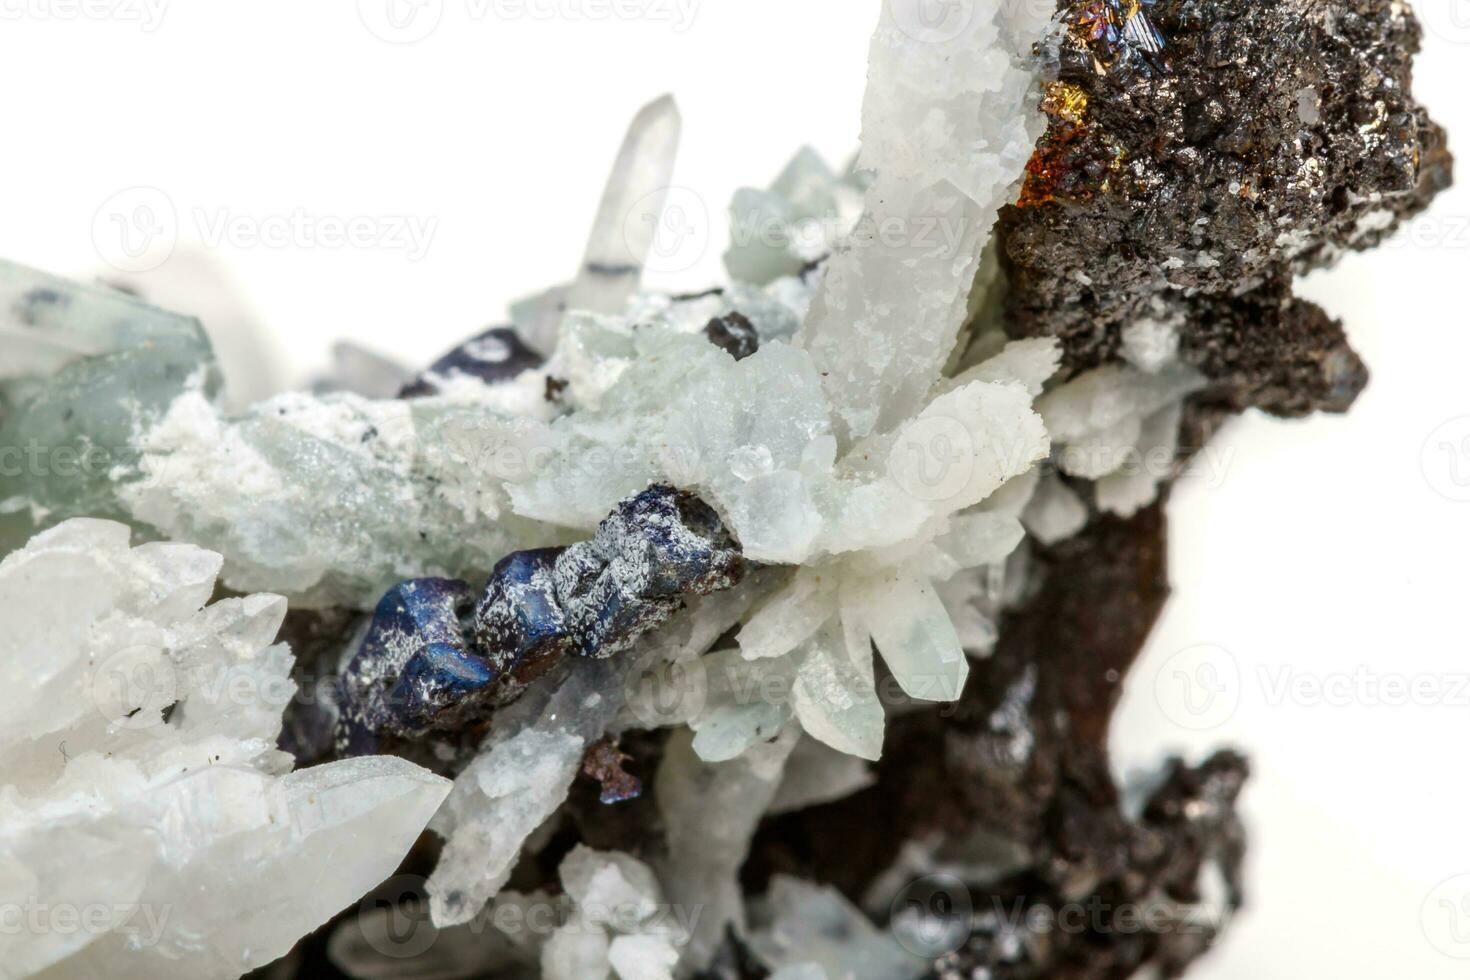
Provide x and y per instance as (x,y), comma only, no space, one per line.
(149,827)
(882,458)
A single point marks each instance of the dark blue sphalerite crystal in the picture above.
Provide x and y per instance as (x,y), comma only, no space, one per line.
(426,665)
(519,618)
(415,665)
(493,357)
(598,597)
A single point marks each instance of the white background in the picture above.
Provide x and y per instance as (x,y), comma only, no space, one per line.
(1330,551)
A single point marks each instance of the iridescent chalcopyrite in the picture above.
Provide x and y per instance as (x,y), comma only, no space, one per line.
(770,631)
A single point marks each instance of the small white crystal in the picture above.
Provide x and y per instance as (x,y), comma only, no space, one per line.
(747,703)
(806,924)
(1151,344)
(790,617)
(1110,395)
(1153,461)
(1055,513)
(1102,451)
(632,206)
(834,697)
(576,951)
(914,634)
(817,774)
(496,804)
(611,888)
(642,958)
(1031,362)
(775,233)
(711,812)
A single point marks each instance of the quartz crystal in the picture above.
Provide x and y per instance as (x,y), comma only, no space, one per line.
(142,784)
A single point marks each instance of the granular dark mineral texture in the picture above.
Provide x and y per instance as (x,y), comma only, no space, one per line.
(1186,182)
(734,334)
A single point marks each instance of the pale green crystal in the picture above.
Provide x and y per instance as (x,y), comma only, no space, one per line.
(85,368)
(780,231)
(332,499)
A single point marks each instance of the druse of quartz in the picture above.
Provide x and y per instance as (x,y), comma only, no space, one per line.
(141,789)
(772,631)
(946,134)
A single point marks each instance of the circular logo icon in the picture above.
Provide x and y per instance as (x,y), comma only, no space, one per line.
(1445,460)
(932,21)
(1447,19)
(661,694)
(933,459)
(394,919)
(1445,917)
(136,230)
(933,916)
(1199,687)
(401,21)
(671,227)
(132,687)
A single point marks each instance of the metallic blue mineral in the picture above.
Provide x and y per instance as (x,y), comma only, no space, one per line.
(426,665)
(596,598)
(415,664)
(493,357)
(654,550)
(519,618)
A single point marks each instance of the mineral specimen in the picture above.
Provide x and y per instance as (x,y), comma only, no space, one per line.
(807,600)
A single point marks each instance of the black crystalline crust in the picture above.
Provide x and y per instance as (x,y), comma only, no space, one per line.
(1266,138)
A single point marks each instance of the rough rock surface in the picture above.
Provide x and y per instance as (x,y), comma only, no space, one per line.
(1185,186)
